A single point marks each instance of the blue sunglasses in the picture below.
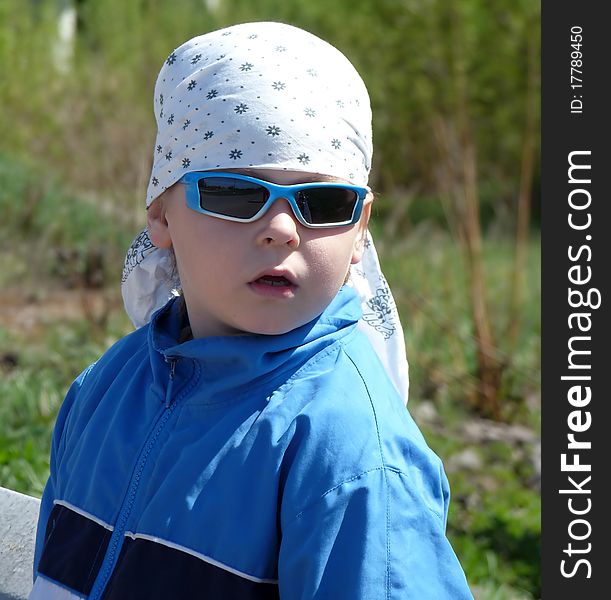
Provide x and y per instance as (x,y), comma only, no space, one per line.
(245,199)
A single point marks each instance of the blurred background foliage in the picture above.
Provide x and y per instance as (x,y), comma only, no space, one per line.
(455,95)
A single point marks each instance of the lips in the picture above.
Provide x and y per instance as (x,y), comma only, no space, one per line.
(277,284)
(275,278)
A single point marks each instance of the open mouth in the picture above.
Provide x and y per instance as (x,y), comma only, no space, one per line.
(276,286)
(274,281)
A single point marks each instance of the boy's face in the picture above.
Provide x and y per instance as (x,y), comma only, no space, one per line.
(224,266)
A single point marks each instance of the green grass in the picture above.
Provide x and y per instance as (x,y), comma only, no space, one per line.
(49,231)
(33,389)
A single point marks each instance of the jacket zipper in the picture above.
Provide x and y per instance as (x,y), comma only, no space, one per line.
(117,538)
(168,393)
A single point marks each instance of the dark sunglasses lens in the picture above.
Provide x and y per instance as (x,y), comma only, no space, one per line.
(231,197)
(324,205)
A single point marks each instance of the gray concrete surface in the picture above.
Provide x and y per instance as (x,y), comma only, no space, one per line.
(18,517)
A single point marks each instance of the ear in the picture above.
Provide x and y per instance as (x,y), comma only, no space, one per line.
(157,223)
(359,243)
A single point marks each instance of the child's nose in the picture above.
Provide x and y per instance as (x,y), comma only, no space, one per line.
(278,226)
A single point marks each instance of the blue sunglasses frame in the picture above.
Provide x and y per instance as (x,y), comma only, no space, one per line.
(289,192)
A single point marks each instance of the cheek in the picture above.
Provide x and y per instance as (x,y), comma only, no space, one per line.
(330,260)
(196,244)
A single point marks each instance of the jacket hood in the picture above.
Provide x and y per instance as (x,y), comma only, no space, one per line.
(230,362)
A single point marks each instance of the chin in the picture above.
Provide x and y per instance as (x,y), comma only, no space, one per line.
(276,327)
(273,330)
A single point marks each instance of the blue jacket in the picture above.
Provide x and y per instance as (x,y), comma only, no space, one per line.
(246,467)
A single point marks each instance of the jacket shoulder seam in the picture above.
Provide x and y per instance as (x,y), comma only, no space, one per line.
(435,513)
(339,485)
(373,410)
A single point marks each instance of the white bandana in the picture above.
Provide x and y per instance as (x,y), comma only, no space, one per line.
(263,96)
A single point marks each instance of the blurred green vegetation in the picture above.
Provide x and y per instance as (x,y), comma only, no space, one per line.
(76,136)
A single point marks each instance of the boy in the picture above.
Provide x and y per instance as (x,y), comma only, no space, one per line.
(247,442)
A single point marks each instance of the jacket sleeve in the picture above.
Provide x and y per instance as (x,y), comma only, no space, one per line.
(49,495)
(371,537)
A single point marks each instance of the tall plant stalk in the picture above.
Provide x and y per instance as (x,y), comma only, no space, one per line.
(524,194)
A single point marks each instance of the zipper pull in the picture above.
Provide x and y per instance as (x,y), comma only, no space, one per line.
(171,360)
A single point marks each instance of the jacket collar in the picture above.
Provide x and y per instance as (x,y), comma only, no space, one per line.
(230,362)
